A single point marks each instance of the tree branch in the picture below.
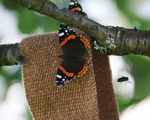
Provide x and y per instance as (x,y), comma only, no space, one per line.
(109,40)
(106,39)
(9,54)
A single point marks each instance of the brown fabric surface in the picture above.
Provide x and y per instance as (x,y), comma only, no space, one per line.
(107,104)
(78,99)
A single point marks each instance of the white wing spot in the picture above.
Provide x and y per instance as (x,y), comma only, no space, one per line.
(71,3)
(59,76)
(61,34)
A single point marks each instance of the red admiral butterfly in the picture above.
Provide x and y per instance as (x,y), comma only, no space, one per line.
(73,46)
(76,7)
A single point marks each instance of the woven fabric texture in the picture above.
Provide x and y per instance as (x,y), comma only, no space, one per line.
(80,99)
(107,105)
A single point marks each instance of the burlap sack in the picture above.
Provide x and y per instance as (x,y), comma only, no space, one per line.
(89,97)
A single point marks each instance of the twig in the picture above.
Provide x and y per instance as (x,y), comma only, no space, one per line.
(9,54)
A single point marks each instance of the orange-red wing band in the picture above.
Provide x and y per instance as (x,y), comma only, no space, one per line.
(76,9)
(65,72)
(66,40)
(86,43)
(83,71)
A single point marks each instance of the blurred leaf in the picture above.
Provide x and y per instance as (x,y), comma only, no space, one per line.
(123,6)
(29,116)
(140,71)
(29,20)
(10,78)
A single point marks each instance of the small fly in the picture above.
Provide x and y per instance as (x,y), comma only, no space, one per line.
(123,79)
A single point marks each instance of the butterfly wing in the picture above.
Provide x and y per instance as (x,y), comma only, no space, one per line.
(70,67)
(70,42)
(63,76)
(76,7)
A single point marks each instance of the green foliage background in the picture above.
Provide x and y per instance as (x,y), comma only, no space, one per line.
(29,21)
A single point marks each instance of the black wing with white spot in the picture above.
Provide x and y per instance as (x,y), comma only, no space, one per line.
(64,33)
(63,76)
